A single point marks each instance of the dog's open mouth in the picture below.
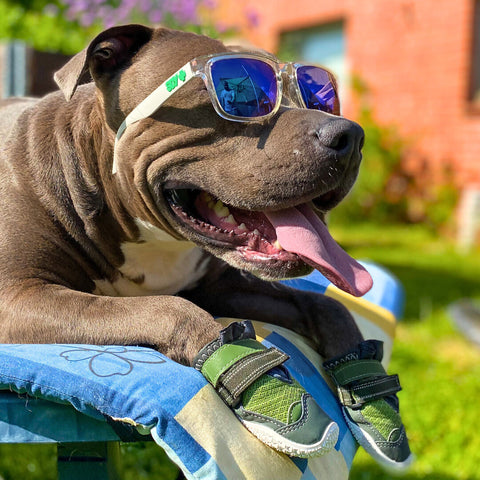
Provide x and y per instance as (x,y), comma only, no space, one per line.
(282,235)
(246,230)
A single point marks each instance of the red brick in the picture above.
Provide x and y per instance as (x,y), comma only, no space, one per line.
(415,56)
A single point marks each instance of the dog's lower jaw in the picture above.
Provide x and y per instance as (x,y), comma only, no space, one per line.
(242,238)
(265,268)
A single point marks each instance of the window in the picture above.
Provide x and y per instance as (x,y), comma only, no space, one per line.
(322,45)
(14,75)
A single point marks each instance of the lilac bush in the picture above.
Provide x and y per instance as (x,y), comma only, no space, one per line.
(110,12)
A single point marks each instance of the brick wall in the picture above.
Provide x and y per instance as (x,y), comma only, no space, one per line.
(415,56)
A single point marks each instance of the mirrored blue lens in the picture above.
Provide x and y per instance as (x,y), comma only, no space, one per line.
(318,90)
(245,87)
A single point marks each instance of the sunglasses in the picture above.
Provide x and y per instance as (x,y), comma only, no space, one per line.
(245,87)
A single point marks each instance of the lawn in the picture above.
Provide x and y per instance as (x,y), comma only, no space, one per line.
(439,369)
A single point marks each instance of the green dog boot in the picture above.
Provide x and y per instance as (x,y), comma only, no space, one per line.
(253,382)
(370,405)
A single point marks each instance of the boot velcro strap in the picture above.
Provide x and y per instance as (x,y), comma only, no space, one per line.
(226,356)
(243,373)
(236,332)
(356,371)
(374,389)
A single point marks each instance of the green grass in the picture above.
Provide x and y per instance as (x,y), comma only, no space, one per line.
(139,461)
(439,369)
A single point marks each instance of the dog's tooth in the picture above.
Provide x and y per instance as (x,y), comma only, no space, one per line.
(221,210)
(243,227)
(208,200)
(256,232)
(231,220)
(277,245)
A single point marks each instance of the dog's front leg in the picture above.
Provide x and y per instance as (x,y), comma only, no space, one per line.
(46,313)
(232,293)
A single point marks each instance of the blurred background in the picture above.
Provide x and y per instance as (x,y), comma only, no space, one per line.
(409,73)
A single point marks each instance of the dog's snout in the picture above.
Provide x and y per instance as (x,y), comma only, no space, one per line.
(341,135)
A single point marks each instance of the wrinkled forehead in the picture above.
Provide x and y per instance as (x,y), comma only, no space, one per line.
(163,55)
(174,49)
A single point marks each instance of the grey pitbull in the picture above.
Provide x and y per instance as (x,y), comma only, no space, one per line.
(137,257)
(123,223)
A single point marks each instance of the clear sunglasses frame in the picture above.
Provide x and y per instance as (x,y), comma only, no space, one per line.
(202,67)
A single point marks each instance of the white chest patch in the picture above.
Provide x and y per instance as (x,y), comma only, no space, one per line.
(158,265)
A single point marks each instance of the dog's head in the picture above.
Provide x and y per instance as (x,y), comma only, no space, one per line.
(252,193)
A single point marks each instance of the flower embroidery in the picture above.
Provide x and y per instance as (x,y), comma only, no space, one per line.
(111,360)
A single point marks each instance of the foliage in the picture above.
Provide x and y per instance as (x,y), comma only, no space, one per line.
(66,26)
(41,26)
(36,462)
(111,12)
(386,190)
(139,461)
(439,369)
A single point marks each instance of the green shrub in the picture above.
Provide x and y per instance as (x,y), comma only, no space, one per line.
(386,191)
(66,26)
(41,25)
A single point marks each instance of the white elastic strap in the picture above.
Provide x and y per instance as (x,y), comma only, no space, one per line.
(152,103)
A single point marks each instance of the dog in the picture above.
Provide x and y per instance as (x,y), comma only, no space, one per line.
(135,255)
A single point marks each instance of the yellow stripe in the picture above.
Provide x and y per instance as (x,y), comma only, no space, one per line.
(378,315)
(331,466)
(237,452)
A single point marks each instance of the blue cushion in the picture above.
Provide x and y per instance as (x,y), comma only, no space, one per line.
(175,403)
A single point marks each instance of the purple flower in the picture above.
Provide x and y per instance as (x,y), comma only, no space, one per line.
(183,11)
(210,4)
(88,19)
(87,12)
(253,17)
(105,12)
(155,16)
(123,12)
(78,7)
(145,6)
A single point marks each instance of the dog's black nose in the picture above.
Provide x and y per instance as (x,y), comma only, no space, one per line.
(341,135)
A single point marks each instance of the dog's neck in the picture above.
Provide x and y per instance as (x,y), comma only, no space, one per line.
(157,264)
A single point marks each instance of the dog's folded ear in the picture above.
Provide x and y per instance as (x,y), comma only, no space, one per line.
(109,51)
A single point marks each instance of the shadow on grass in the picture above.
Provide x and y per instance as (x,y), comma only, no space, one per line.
(431,288)
(432,271)
(375,473)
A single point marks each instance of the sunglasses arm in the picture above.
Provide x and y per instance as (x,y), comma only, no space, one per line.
(150,104)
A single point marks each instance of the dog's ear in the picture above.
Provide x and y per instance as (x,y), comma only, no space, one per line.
(109,51)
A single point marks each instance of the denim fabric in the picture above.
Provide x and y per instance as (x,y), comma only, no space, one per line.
(143,387)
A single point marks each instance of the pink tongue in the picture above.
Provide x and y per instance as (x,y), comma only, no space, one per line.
(300,231)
